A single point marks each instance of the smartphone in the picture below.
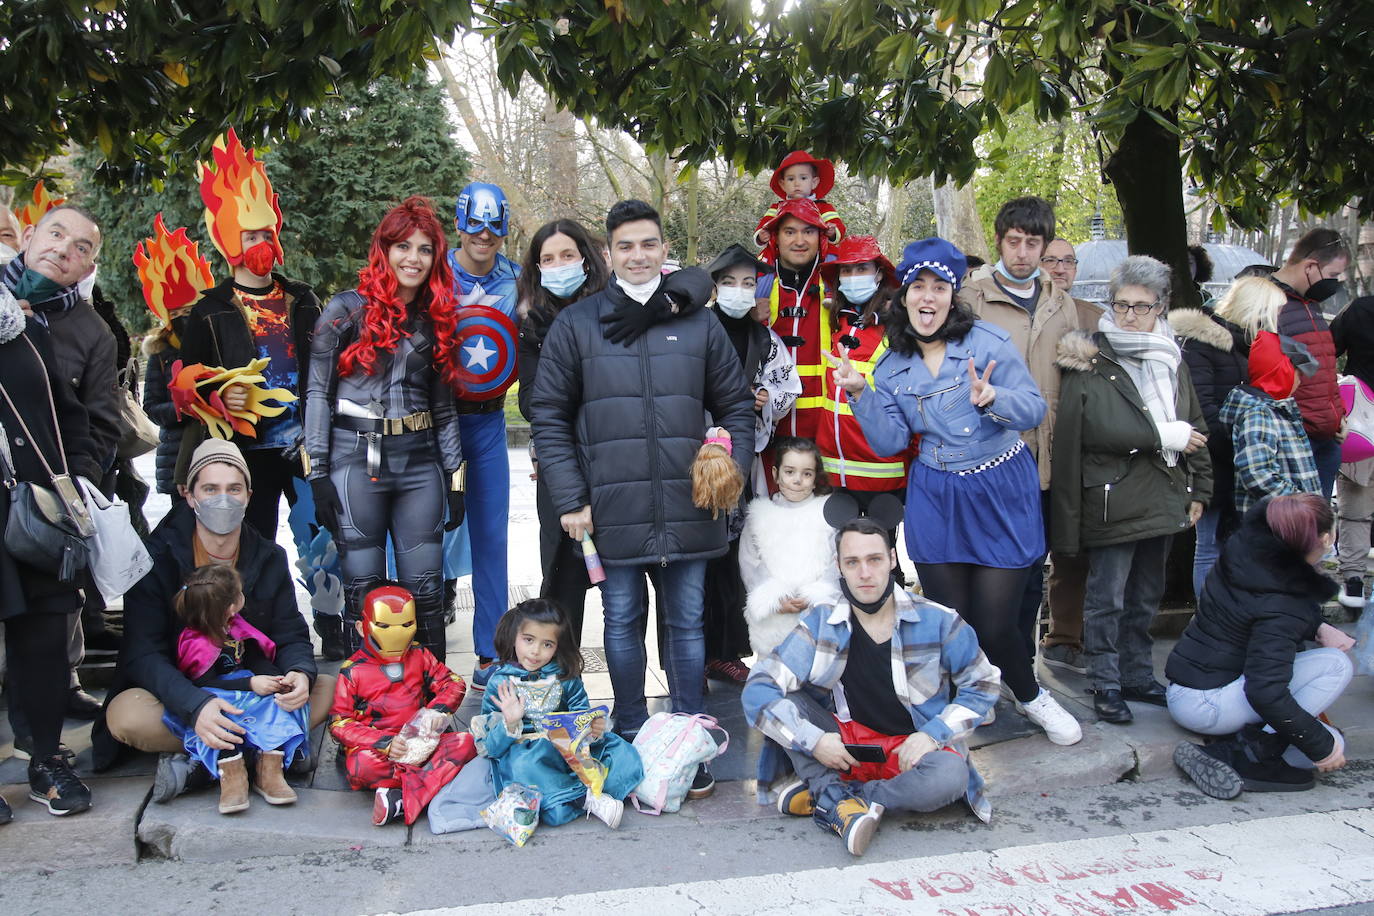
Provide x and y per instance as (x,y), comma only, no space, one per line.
(867,753)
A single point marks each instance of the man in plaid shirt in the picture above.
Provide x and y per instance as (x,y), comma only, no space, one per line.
(885,669)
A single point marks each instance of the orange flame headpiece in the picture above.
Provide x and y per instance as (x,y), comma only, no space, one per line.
(171,270)
(30,214)
(237,197)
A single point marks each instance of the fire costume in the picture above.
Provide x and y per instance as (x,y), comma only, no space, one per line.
(232,324)
(379,689)
(487,327)
(832,225)
(795,313)
(845,453)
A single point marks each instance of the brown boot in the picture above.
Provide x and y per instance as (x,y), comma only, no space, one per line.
(269,782)
(233,785)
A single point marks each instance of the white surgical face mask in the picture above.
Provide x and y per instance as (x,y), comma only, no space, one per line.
(859,290)
(86,286)
(735,301)
(565,280)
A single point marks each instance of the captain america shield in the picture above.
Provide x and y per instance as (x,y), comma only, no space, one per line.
(486,352)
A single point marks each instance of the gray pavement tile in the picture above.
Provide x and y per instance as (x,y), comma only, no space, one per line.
(36,841)
(1035,765)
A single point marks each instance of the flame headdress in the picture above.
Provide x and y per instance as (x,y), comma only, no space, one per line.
(172,271)
(30,214)
(237,197)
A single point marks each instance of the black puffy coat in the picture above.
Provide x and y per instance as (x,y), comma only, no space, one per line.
(1218,354)
(618,426)
(157,404)
(147,658)
(1260,603)
(1353,333)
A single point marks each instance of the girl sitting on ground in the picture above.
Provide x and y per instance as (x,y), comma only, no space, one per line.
(538,673)
(230,658)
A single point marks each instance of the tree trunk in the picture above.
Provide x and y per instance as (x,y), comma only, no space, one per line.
(1147,173)
(561,130)
(693,227)
(956,218)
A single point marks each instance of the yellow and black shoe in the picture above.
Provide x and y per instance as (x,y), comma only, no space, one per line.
(795,799)
(854,820)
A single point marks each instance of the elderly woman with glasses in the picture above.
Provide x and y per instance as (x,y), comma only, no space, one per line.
(1131,470)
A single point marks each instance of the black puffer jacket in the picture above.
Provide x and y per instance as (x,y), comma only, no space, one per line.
(147,658)
(1218,354)
(157,404)
(1260,603)
(618,427)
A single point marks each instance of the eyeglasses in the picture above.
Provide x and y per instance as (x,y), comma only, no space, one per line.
(1140,308)
(1058,262)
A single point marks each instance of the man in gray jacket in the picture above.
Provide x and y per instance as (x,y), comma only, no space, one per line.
(626,380)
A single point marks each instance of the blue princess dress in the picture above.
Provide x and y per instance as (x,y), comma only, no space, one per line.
(532,760)
(225,672)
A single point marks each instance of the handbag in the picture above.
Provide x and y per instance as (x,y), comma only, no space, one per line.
(49,528)
(138,435)
(118,558)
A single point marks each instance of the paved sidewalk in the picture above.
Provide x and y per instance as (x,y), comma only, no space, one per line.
(122,826)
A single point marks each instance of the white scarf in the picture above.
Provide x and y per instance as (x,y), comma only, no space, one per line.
(1151,360)
(11,316)
(639,292)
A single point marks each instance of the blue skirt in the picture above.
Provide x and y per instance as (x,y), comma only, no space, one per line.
(267,726)
(989,518)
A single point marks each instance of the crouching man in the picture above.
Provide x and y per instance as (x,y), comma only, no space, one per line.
(883,675)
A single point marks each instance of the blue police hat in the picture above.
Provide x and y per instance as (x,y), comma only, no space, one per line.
(482,206)
(933,254)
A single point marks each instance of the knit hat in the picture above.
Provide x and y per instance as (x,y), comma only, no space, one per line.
(825,172)
(1270,370)
(735,256)
(858,249)
(935,255)
(213,450)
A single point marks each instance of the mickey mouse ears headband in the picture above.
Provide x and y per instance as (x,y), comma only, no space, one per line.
(842,508)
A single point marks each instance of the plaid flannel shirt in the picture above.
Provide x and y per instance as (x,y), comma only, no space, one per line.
(935,655)
(1273,453)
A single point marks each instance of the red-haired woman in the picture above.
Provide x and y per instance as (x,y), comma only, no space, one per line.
(380,426)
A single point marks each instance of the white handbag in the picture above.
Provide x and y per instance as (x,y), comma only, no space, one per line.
(118,558)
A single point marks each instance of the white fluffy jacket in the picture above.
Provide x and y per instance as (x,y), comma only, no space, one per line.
(786,550)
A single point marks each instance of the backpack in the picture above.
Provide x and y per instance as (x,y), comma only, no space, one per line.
(671,745)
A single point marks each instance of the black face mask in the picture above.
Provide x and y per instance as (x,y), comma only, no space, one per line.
(866,606)
(1324,289)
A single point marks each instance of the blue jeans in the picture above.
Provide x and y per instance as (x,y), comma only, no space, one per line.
(625,607)
(1327,454)
(1207,550)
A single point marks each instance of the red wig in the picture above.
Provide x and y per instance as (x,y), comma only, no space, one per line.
(384,314)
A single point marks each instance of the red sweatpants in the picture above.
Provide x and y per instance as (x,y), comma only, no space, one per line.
(368,768)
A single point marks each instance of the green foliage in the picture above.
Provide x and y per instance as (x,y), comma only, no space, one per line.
(1056,161)
(145,80)
(364,152)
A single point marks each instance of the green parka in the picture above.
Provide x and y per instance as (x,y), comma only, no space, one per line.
(1111,484)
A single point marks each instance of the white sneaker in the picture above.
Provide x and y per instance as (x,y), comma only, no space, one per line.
(1060,727)
(607,809)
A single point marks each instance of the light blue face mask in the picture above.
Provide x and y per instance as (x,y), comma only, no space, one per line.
(859,289)
(1001,268)
(564,280)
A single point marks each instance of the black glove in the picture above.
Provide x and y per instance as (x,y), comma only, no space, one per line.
(456,510)
(328,508)
(689,289)
(680,293)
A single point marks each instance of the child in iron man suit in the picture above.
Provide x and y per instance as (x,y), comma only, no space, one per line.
(380,689)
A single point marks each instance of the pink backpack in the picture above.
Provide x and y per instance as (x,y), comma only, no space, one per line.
(671,745)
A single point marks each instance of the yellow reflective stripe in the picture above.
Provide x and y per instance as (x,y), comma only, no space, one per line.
(807,403)
(884,469)
(811,369)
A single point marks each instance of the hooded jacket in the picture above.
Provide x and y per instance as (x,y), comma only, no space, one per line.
(1111,483)
(1216,352)
(618,426)
(1272,452)
(1318,396)
(1261,602)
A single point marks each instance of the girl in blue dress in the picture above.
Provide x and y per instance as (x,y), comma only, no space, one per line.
(538,674)
(228,657)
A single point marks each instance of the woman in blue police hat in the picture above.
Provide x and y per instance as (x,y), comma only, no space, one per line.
(973,523)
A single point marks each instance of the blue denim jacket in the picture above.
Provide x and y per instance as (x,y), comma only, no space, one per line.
(955,435)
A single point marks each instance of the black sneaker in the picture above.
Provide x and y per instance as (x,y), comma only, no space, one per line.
(53,783)
(1352,595)
(23,748)
(387,806)
(703,784)
(6,815)
(1209,767)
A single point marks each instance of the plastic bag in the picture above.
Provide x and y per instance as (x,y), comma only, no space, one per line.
(1364,640)
(118,558)
(515,813)
(571,732)
(421,735)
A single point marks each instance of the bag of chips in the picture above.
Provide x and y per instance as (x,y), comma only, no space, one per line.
(515,813)
(571,733)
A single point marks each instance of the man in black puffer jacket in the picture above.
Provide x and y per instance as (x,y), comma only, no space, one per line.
(625,384)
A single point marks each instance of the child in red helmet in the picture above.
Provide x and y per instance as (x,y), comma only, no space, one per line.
(379,691)
(800,176)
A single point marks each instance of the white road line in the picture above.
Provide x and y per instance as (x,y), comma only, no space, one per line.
(1249,868)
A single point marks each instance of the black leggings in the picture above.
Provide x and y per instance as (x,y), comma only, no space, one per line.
(989,600)
(36,646)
